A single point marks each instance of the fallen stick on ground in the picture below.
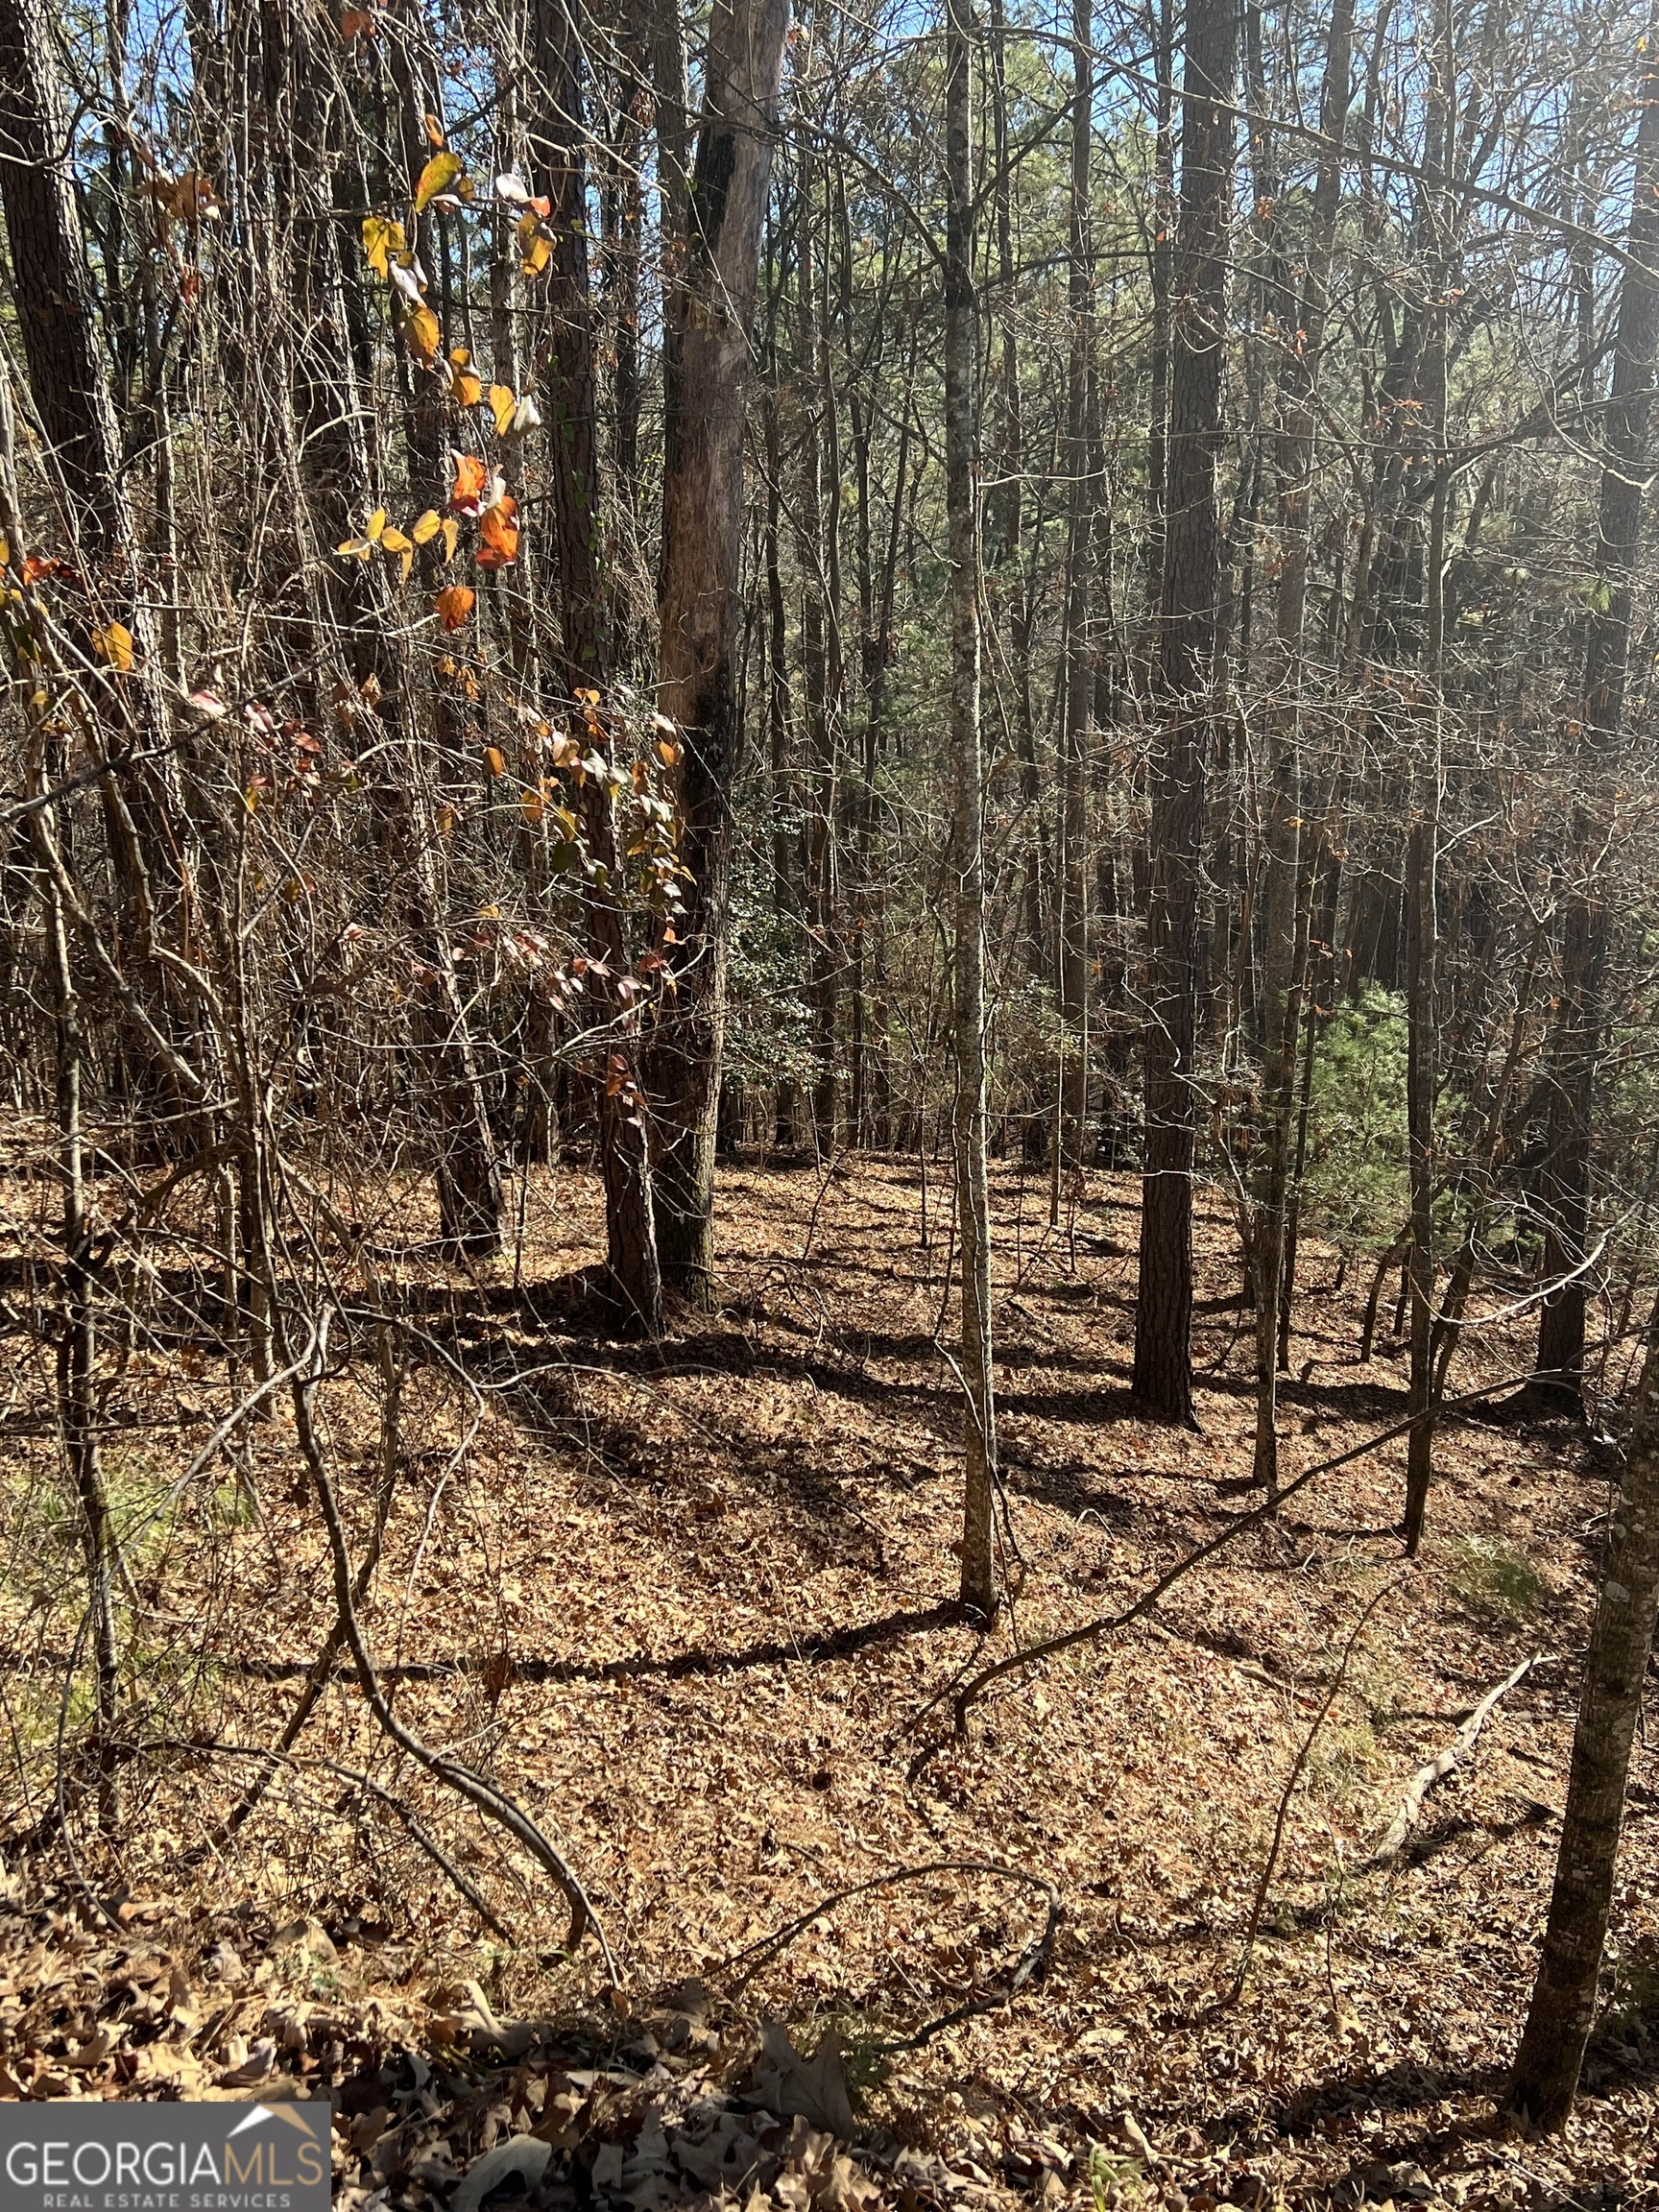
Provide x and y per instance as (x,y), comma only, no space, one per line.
(1110,1623)
(1441,1765)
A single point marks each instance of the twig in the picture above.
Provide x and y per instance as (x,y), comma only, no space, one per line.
(1290,1790)
(1027,1967)
(1441,1765)
(419,1832)
(465,1781)
(1108,1623)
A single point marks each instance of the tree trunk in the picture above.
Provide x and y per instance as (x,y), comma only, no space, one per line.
(1577,1039)
(559,165)
(1287,917)
(1197,343)
(702,549)
(1563,2007)
(52,286)
(967,854)
(1074,922)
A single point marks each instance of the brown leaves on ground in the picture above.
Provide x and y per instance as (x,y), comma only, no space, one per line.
(684,1601)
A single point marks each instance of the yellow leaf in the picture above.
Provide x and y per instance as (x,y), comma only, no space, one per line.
(439,174)
(532,806)
(393,541)
(376,524)
(426,528)
(537,255)
(358,547)
(420,325)
(408,563)
(494,760)
(114,645)
(434,132)
(381,239)
(503,402)
(465,386)
(451,537)
(4,552)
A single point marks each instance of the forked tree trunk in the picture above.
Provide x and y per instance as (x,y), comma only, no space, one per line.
(701,555)
(1577,1041)
(1563,2007)
(967,848)
(1197,335)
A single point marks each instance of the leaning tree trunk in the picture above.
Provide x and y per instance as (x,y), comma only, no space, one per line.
(560,169)
(1192,559)
(1577,1039)
(701,555)
(968,830)
(1563,2006)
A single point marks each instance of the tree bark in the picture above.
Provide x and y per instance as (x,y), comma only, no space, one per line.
(1563,2007)
(702,548)
(559,165)
(968,830)
(1287,917)
(1162,1379)
(1577,1044)
(1074,920)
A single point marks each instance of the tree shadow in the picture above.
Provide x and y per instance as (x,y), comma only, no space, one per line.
(699,1661)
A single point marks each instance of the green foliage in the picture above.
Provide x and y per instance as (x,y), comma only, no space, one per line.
(1492,1579)
(1356,1169)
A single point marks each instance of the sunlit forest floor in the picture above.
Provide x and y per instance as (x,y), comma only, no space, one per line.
(690,1601)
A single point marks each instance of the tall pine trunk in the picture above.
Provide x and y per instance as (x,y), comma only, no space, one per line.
(1191,560)
(1286,930)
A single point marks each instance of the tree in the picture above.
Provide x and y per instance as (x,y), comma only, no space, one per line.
(1186,643)
(1576,1046)
(559,166)
(700,606)
(966,828)
(1563,2009)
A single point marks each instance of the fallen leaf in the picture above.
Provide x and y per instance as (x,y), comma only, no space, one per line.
(521,2156)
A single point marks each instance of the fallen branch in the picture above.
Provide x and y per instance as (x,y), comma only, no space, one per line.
(1108,1623)
(1290,1790)
(1030,1966)
(418,1832)
(1441,1765)
(465,1781)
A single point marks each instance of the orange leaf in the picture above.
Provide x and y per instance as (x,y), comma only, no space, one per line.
(421,328)
(453,605)
(354,22)
(494,760)
(498,531)
(114,645)
(467,493)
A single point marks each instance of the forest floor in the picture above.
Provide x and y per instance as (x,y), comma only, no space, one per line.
(690,1601)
